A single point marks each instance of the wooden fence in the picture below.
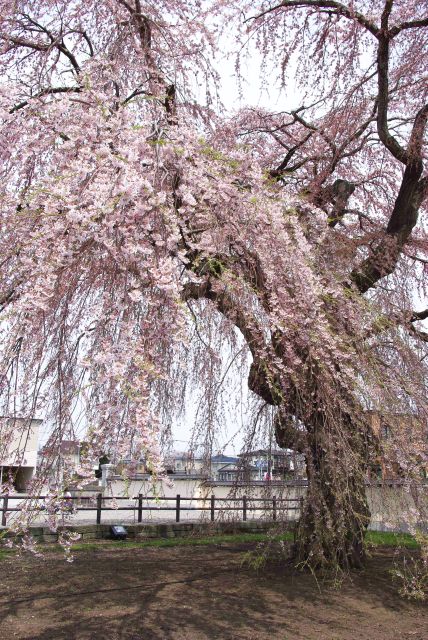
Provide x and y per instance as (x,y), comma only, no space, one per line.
(242,504)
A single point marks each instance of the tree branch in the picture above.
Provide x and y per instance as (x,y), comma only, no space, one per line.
(419,315)
(56,43)
(9,297)
(414,24)
(158,80)
(283,167)
(422,335)
(45,92)
(383,100)
(404,217)
(229,308)
(413,187)
(337,7)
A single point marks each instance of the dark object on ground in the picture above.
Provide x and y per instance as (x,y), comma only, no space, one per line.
(118,532)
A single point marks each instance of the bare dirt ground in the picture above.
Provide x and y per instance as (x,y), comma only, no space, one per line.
(196,593)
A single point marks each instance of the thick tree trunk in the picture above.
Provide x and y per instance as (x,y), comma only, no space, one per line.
(335,517)
(324,422)
(336,514)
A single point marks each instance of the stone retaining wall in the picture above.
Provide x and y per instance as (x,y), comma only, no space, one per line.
(159,530)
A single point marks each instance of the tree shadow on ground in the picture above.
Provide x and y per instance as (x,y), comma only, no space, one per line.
(197,594)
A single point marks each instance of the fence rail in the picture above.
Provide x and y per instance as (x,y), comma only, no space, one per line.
(245,504)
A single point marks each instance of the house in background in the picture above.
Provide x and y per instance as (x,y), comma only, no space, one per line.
(18,459)
(67,456)
(69,452)
(188,463)
(219,463)
(273,464)
(251,466)
(258,465)
(185,464)
(237,472)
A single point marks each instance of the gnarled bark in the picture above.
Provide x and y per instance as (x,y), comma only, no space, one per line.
(336,514)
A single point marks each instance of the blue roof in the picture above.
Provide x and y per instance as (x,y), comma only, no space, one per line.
(222,458)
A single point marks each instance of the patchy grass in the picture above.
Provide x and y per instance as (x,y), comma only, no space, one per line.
(4,553)
(390,539)
(191,541)
(373,538)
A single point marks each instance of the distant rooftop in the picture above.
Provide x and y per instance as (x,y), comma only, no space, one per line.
(21,418)
(66,447)
(223,458)
(265,453)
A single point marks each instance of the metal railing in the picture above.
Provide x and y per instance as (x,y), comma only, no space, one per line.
(243,504)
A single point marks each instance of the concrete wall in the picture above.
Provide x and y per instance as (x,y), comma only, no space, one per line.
(393,507)
(397,507)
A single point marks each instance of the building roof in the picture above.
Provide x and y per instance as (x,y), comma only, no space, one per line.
(264,453)
(236,467)
(66,447)
(21,418)
(188,456)
(223,458)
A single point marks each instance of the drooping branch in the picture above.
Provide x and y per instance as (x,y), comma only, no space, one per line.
(55,42)
(45,92)
(262,378)
(336,7)
(157,80)
(230,308)
(403,219)
(383,100)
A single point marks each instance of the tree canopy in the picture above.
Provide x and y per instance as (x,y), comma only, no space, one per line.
(136,217)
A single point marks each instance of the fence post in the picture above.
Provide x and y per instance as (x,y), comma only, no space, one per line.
(244,508)
(99,504)
(297,520)
(274,508)
(140,507)
(212,507)
(177,508)
(3,515)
